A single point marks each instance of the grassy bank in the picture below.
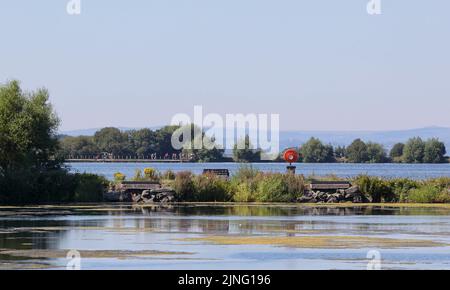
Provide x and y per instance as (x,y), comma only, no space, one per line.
(249,185)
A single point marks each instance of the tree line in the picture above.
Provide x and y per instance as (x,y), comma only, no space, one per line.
(144,143)
(156,144)
(415,150)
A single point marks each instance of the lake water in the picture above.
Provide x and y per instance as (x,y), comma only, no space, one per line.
(416,171)
(200,236)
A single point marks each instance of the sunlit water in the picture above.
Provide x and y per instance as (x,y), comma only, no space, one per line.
(123,227)
(416,171)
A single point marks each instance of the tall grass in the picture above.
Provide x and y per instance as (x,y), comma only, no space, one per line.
(250,185)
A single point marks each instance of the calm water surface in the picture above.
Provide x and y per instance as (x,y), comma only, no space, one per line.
(120,236)
(416,171)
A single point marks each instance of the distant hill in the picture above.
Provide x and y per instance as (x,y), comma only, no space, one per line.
(336,138)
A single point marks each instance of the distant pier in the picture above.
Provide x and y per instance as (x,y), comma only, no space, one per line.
(126,160)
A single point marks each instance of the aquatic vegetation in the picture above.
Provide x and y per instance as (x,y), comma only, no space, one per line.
(184,186)
(429,194)
(377,188)
(210,187)
(329,242)
(249,185)
(97,254)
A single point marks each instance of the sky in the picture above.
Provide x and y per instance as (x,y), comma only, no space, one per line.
(320,64)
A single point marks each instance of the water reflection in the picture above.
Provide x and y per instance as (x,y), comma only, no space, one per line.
(125,227)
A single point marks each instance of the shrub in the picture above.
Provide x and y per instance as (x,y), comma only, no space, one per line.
(151,174)
(245,173)
(184,186)
(138,175)
(271,188)
(401,188)
(119,177)
(90,187)
(168,175)
(279,187)
(295,185)
(52,186)
(442,182)
(242,192)
(209,187)
(428,194)
(377,188)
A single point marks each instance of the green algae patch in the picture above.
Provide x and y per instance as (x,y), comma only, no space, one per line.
(88,254)
(319,242)
(25,266)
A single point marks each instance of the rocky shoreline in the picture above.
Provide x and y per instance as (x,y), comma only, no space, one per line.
(168,195)
(161,195)
(353,195)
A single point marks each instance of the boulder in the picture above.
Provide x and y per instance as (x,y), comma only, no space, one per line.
(353,190)
(136,197)
(332,200)
(146,193)
(161,195)
(306,199)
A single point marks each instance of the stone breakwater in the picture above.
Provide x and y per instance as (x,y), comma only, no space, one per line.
(353,194)
(161,195)
(167,195)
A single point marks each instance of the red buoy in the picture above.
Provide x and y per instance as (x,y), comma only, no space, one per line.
(291,156)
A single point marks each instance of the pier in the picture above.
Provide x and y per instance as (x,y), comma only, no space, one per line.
(124,160)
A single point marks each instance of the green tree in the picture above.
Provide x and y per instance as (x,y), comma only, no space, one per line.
(357,152)
(244,151)
(142,142)
(314,151)
(78,146)
(376,153)
(28,141)
(414,151)
(340,152)
(112,140)
(396,152)
(30,170)
(201,148)
(434,151)
(163,140)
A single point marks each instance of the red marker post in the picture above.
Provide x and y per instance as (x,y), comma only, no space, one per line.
(291,156)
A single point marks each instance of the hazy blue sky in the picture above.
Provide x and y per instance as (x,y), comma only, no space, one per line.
(322,65)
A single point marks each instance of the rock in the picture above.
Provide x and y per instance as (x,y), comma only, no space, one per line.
(337,196)
(353,190)
(146,193)
(332,200)
(348,196)
(306,199)
(136,197)
(161,195)
(357,199)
